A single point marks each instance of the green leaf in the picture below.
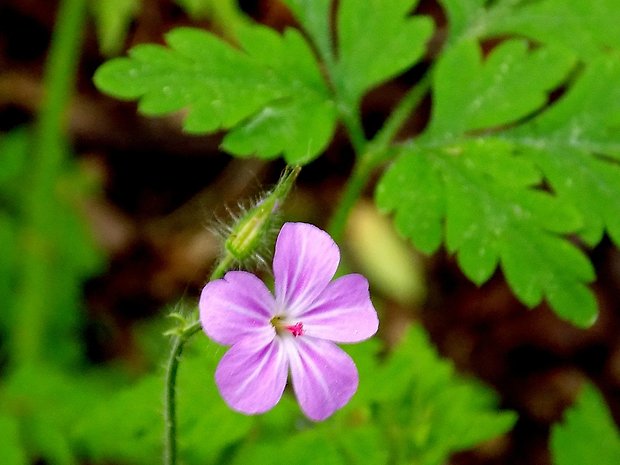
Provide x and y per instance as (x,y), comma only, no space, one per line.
(273,85)
(48,403)
(412,188)
(11,449)
(56,254)
(463,15)
(483,194)
(587,28)
(206,425)
(13,157)
(8,246)
(108,432)
(306,448)
(112,20)
(436,411)
(377,40)
(225,16)
(314,16)
(576,144)
(588,434)
(510,84)
(488,210)
(363,445)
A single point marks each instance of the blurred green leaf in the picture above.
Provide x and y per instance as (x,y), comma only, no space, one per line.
(464,16)
(13,157)
(588,434)
(125,427)
(314,16)
(587,28)
(225,16)
(271,95)
(368,54)
(48,403)
(308,447)
(11,448)
(112,20)
(199,8)
(8,242)
(62,250)
(430,411)
(128,425)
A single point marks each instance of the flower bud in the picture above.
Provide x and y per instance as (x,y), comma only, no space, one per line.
(250,231)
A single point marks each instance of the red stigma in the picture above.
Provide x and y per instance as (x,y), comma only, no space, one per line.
(296,330)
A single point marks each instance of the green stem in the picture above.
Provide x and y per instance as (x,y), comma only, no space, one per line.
(403,110)
(172,367)
(352,191)
(373,154)
(48,154)
(221,268)
(353,125)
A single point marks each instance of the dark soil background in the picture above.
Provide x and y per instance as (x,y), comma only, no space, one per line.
(162,189)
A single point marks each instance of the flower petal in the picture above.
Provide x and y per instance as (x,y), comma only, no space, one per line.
(342,313)
(304,262)
(235,306)
(324,376)
(252,375)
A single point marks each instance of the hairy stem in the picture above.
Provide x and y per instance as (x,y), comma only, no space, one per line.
(373,154)
(172,366)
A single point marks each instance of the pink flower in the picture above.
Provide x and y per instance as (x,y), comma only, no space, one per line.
(297,329)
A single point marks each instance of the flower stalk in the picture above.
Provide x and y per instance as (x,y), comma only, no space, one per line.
(245,238)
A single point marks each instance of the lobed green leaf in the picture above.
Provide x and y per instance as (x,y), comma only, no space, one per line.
(377,40)
(576,144)
(490,212)
(586,28)
(510,84)
(272,87)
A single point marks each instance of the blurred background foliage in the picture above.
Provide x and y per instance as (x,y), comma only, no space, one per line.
(104,227)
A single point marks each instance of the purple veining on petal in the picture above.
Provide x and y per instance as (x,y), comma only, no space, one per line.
(232,307)
(343,312)
(324,376)
(252,375)
(305,260)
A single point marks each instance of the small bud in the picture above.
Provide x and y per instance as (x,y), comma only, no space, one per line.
(250,231)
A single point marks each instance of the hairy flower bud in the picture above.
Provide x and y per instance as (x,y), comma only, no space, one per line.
(250,231)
